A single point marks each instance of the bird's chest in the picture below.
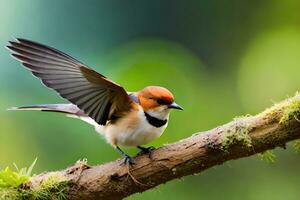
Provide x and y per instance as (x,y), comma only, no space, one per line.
(139,132)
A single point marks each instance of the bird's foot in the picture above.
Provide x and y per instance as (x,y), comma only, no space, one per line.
(128,160)
(146,150)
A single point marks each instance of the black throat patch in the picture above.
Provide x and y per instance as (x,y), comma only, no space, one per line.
(155,121)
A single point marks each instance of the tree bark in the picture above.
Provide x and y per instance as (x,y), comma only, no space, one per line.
(242,137)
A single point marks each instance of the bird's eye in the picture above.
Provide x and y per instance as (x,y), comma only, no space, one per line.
(161,102)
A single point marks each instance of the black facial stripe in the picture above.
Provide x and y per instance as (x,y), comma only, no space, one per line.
(155,121)
(162,102)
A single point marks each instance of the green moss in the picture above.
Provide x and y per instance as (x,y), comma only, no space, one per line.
(241,117)
(284,111)
(12,185)
(54,188)
(296,145)
(14,179)
(292,111)
(267,156)
(10,178)
(237,133)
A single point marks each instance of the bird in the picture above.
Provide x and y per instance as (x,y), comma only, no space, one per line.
(124,118)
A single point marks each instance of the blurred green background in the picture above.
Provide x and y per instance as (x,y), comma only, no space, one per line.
(221,59)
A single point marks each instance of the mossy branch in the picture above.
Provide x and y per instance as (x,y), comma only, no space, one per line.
(244,136)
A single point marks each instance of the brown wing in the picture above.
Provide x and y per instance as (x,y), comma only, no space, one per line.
(92,92)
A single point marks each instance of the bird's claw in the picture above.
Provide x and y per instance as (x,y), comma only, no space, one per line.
(128,160)
(146,150)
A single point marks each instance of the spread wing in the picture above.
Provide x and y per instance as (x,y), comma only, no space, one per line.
(93,93)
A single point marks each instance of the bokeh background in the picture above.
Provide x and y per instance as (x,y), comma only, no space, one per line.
(221,59)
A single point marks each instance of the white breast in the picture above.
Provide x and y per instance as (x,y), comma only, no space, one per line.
(122,133)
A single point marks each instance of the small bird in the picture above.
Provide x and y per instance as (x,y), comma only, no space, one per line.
(123,118)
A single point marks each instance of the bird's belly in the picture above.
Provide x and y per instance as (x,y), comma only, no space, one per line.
(140,136)
(128,136)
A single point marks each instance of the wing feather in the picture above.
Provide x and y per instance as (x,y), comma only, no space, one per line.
(93,93)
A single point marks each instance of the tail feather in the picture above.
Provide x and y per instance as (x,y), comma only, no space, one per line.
(69,109)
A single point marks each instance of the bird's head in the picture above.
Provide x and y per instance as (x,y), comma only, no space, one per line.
(157,101)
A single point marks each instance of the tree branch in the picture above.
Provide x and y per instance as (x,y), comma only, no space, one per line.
(242,137)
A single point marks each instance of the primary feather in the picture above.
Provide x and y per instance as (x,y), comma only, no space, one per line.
(98,97)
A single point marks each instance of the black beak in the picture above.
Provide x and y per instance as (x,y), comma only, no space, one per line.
(175,106)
